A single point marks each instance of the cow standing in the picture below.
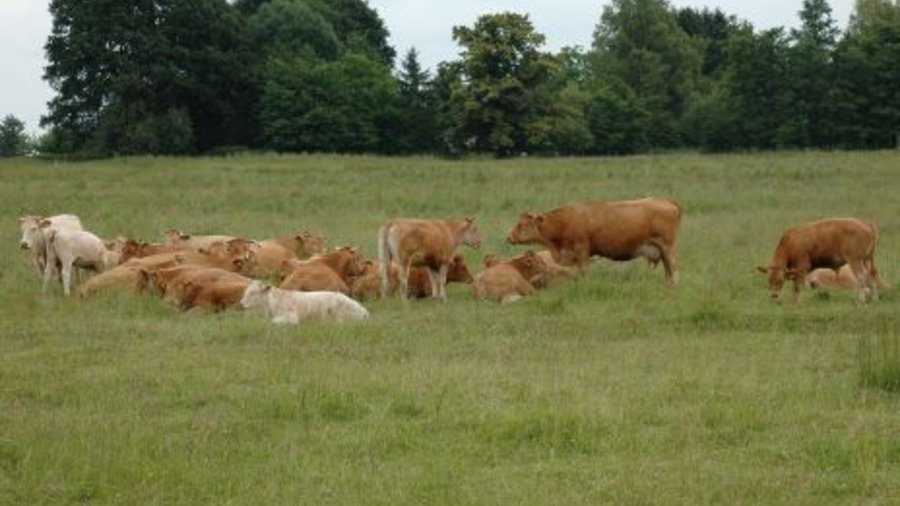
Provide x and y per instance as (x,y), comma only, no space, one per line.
(829,243)
(616,230)
(35,231)
(423,243)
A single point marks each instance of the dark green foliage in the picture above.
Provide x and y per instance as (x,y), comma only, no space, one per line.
(13,140)
(416,125)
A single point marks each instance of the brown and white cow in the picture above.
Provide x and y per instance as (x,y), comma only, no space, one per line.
(828,243)
(509,280)
(620,231)
(423,243)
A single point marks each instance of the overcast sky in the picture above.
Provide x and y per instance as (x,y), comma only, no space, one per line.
(423,24)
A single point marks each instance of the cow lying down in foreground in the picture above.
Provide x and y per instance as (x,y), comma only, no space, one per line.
(291,306)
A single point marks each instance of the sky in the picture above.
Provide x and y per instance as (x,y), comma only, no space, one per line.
(424,24)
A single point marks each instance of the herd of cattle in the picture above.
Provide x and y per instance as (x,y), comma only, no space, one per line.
(417,258)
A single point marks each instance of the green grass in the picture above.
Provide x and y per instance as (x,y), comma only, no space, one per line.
(608,390)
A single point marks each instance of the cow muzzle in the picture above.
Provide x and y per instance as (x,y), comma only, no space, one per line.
(23,245)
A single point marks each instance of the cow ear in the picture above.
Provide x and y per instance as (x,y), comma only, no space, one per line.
(539,218)
(45,223)
(762,269)
(470,220)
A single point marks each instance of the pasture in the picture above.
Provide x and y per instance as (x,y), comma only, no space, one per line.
(608,390)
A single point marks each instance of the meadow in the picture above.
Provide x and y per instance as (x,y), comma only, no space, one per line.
(611,389)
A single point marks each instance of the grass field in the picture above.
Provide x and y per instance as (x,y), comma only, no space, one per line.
(608,390)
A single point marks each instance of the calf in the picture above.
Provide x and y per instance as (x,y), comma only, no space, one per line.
(290,306)
(75,248)
(423,243)
(273,252)
(506,281)
(200,288)
(367,285)
(619,231)
(829,243)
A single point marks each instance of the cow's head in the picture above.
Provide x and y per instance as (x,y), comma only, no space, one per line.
(30,231)
(532,268)
(470,235)
(309,245)
(776,276)
(174,236)
(526,230)
(255,294)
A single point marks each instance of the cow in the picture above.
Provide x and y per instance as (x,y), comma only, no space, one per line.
(333,271)
(272,252)
(828,243)
(292,306)
(198,288)
(139,249)
(34,236)
(423,243)
(175,237)
(368,284)
(125,277)
(620,231)
(68,249)
(554,272)
(509,280)
(840,279)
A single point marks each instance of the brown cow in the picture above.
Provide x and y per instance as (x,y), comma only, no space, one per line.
(272,252)
(131,248)
(619,231)
(423,243)
(509,280)
(201,288)
(553,274)
(828,243)
(333,271)
(368,284)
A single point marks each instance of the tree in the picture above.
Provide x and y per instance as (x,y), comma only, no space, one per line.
(809,79)
(417,122)
(119,66)
(638,46)
(503,94)
(867,68)
(13,140)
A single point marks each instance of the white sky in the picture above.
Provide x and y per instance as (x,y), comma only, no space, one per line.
(423,24)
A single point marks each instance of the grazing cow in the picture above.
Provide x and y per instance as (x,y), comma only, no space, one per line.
(829,243)
(506,281)
(34,235)
(423,243)
(368,284)
(174,237)
(333,271)
(291,306)
(619,231)
(75,248)
(272,252)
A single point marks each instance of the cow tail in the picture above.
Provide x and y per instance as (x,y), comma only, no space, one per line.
(384,259)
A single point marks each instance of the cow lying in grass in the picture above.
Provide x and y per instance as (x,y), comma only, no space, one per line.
(291,306)
(510,280)
(368,284)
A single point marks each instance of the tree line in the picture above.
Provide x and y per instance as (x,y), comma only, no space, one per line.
(201,76)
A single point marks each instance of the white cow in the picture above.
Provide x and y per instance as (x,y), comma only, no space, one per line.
(291,306)
(75,248)
(34,236)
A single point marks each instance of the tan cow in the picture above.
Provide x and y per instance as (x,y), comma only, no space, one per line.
(840,279)
(619,231)
(554,272)
(829,243)
(509,280)
(332,272)
(423,243)
(175,237)
(273,252)
(368,284)
(140,249)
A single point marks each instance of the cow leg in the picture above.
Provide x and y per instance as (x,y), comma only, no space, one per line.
(49,267)
(67,277)
(669,263)
(861,272)
(442,282)
(403,274)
